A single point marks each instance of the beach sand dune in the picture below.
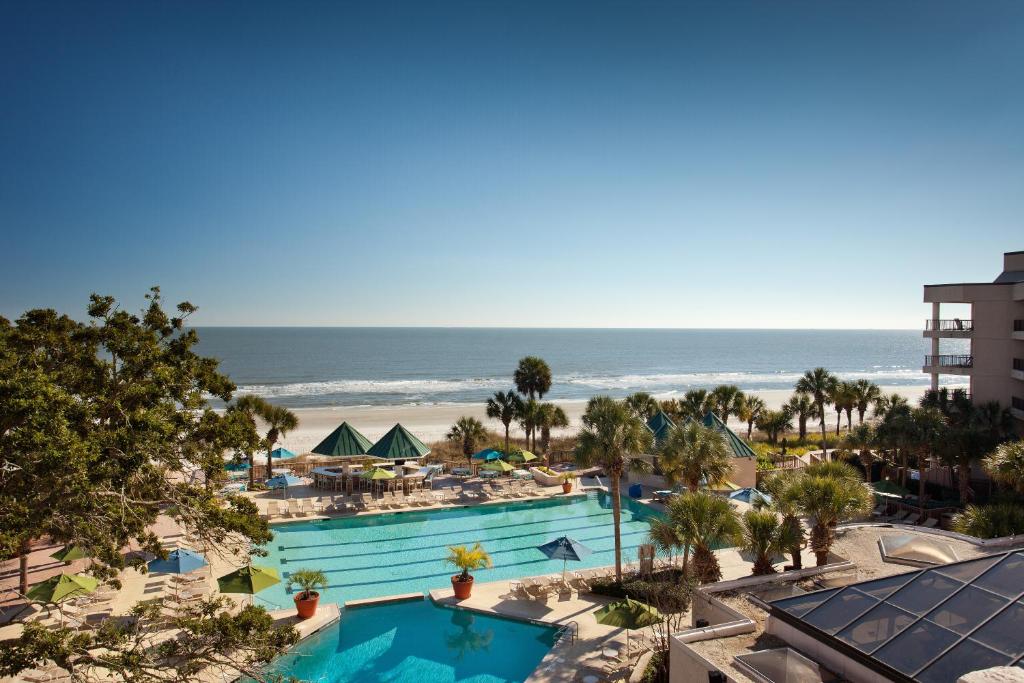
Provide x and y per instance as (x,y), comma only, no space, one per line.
(430,422)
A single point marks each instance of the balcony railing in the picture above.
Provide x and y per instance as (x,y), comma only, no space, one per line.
(1017,403)
(1018,325)
(1018,364)
(954,325)
(949,361)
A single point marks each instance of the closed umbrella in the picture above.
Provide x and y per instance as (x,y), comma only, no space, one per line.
(628,614)
(248,580)
(69,553)
(61,587)
(565,549)
(180,561)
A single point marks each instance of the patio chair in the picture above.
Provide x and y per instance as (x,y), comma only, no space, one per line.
(912,519)
(307,507)
(930,523)
(879,511)
(273,509)
(897,518)
(293,507)
(369,502)
(579,582)
(537,589)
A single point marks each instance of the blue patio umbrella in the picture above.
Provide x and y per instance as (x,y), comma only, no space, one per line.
(281,453)
(283,481)
(236,466)
(180,561)
(751,496)
(487,455)
(565,549)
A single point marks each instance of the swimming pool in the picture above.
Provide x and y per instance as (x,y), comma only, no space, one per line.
(417,641)
(375,555)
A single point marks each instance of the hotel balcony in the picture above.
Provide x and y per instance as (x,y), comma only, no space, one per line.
(948,365)
(1018,369)
(948,329)
(1017,407)
(1018,330)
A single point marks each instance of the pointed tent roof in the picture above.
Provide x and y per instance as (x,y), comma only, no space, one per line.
(659,421)
(398,443)
(345,440)
(739,447)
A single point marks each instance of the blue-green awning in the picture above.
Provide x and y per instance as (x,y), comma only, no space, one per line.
(738,446)
(345,440)
(397,444)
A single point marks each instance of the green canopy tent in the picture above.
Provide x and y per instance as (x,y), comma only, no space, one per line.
(628,614)
(69,553)
(399,444)
(738,446)
(61,587)
(248,580)
(343,441)
(660,424)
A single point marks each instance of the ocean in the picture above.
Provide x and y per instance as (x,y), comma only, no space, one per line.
(316,367)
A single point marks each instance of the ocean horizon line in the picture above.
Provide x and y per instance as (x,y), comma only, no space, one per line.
(560,329)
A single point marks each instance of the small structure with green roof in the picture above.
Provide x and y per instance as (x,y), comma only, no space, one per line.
(738,446)
(399,444)
(660,424)
(344,441)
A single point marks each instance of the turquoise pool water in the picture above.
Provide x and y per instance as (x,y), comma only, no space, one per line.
(377,555)
(418,642)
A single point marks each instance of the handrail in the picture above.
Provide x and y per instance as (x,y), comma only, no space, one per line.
(953,325)
(950,361)
(572,628)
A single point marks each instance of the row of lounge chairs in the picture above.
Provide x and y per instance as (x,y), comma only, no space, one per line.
(905,517)
(360,502)
(540,588)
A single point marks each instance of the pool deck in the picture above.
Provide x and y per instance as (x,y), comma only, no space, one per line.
(324,617)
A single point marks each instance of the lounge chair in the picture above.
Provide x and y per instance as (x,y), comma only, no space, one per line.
(273,509)
(930,523)
(897,518)
(307,507)
(537,589)
(579,582)
(912,519)
(879,511)
(293,507)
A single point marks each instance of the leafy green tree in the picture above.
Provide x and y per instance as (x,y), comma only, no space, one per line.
(610,436)
(862,439)
(726,400)
(844,399)
(763,538)
(819,384)
(751,408)
(695,404)
(505,406)
(803,408)
(866,394)
(889,403)
(532,377)
(1006,465)
(785,494)
(469,433)
(829,499)
(692,452)
(998,520)
(551,417)
(643,405)
(102,426)
(706,522)
(665,538)
(774,423)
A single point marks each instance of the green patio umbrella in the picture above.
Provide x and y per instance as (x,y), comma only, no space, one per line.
(248,580)
(69,553)
(628,614)
(377,474)
(62,587)
(521,456)
(497,466)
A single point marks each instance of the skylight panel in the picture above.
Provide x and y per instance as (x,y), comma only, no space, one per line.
(915,647)
(1005,632)
(883,588)
(877,626)
(967,571)
(802,604)
(840,610)
(924,592)
(968,608)
(1005,577)
(965,657)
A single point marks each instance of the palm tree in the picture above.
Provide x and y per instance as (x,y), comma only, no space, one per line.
(695,404)
(1006,464)
(886,404)
(828,500)
(785,493)
(866,393)
(803,409)
(529,420)
(726,399)
(468,432)
(762,537)
(844,398)
(609,436)
(643,405)
(551,417)
(532,377)
(774,423)
(819,384)
(750,410)
(862,439)
(505,406)
(665,538)
(279,421)
(990,521)
(252,407)
(704,521)
(692,452)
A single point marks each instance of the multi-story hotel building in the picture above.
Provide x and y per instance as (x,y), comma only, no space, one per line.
(995,329)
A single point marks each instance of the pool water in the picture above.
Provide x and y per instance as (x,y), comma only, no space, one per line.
(418,642)
(372,556)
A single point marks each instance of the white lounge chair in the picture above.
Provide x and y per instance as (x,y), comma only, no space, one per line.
(293,507)
(273,509)
(307,507)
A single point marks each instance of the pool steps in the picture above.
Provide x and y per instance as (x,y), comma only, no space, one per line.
(385,600)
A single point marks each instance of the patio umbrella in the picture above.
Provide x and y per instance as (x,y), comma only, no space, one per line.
(377,474)
(487,455)
(180,561)
(565,549)
(521,456)
(497,466)
(248,580)
(282,453)
(69,553)
(236,466)
(627,614)
(62,587)
(283,481)
(751,496)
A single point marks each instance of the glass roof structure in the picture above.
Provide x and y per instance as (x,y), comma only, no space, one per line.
(928,626)
(783,665)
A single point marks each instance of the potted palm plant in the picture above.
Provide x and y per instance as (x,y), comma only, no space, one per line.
(464,558)
(309,580)
(567,480)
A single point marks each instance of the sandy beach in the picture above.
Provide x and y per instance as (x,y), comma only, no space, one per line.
(431,422)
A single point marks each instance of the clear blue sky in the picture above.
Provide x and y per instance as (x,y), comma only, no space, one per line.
(698,164)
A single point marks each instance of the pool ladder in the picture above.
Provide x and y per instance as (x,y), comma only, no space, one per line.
(571,629)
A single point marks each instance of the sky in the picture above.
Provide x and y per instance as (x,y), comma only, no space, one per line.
(488,163)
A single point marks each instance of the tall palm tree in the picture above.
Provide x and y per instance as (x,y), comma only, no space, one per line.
(828,500)
(692,452)
(609,436)
(819,384)
(774,423)
(529,419)
(704,521)
(750,410)
(279,422)
(763,538)
(802,407)
(844,399)
(866,393)
(672,408)
(665,538)
(862,439)
(505,406)
(996,520)
(252,407)
(468,432)
(642,404)
(888,403)
(726,399)
(532,377)
(694,404)
(551,417)
(785,494)
(897,432)
(1006,465)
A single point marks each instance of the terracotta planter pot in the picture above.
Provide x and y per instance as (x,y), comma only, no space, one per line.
(566,486)
(307,608)
(462,588)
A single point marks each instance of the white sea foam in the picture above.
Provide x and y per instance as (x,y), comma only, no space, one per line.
(415,387)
